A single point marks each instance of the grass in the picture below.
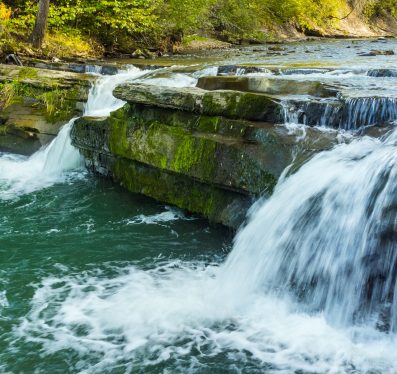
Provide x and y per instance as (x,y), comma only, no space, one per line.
(69,45)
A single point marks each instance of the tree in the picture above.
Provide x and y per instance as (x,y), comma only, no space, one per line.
(41,23)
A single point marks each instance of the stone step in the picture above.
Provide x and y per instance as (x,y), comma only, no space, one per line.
(230,104)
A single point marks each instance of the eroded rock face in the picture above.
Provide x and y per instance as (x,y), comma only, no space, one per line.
(210,165)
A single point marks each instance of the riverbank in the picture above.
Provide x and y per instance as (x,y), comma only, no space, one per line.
(76,46)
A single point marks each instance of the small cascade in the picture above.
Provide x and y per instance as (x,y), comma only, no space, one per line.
(206,72)
(51,164)
(328,237)
(101,100)
(367,111)
(319,112)
(347,114)
(93,69)
(225,70)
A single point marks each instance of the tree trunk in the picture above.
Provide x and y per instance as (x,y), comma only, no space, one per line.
(41,23)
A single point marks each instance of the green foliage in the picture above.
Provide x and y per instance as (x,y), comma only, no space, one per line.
(377,8)
(126,25)
(235,20)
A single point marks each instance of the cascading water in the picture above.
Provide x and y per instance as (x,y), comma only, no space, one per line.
(52,163)
(333,245)
(310,285)
(347,114)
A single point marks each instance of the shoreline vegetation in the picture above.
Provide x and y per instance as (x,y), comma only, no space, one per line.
(147,29)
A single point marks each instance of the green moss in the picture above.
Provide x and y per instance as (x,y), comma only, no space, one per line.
(211,106)
(209,124)
(27,73)
(56,105)
(239,105)
(166,147)
(187,120)
(3,130)
(212,202)
(195,154)
(118,142)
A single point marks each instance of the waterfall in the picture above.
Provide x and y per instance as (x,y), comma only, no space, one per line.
(309,286)
(351,113)
(368,111)
(53,162)
(328,237)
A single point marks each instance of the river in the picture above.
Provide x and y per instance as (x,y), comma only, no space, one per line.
(94,279)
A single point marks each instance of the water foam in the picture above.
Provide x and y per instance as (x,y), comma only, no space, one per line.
(286,300)
(169,215)
(55,162)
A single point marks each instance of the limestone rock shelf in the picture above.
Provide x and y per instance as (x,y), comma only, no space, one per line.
(209,152)
(40,103)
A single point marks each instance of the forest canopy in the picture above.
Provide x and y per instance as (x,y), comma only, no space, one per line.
(127,24)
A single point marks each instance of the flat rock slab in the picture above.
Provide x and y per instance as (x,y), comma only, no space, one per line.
(44,78)
(265,85)
(230,104)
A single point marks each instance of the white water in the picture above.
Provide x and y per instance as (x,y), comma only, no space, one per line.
(293,293)
(169,215)
(55,162)
(350,113)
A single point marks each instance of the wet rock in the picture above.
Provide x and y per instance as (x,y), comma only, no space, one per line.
(14,139)
(13,59)
(302,71)
(210,165)
(241,105)
(27,124)
(276,48)
(377,52)
(265,85)
(239,70)
(77,68)
(109,70)
(382,73)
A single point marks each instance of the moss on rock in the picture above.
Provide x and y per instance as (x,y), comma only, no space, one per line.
(230,104)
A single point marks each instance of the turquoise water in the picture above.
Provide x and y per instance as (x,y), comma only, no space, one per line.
(85,229)
(94,279)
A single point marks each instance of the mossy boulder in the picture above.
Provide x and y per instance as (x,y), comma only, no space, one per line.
(37,100)
(46,79)
(229,104)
